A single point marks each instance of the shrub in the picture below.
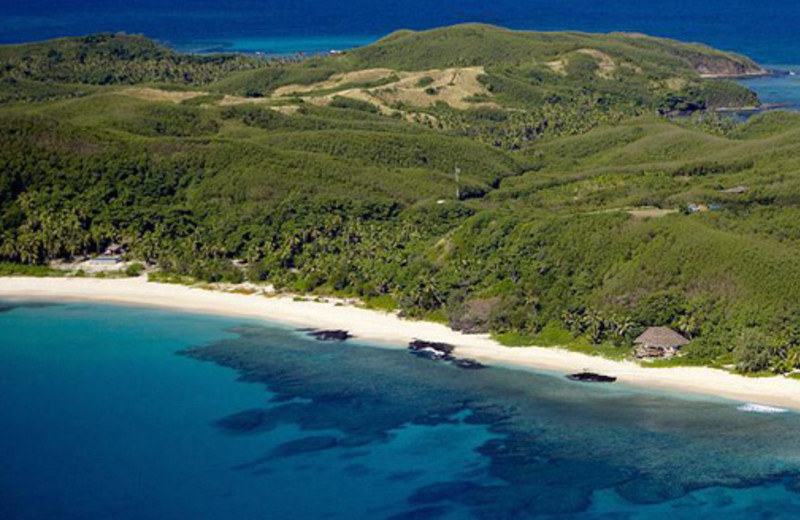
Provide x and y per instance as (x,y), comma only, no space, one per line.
(134,270)
(353,104)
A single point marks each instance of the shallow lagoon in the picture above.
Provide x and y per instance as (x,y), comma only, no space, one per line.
(782,89)
(103,420)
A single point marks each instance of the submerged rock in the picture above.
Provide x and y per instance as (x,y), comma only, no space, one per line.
(468,364)
(650,491)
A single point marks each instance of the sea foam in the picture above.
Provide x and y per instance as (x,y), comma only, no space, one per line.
(760,408)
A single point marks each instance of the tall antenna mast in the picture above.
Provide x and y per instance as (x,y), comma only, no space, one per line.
(458,190)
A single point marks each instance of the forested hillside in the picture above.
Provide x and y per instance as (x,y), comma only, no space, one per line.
(597,193)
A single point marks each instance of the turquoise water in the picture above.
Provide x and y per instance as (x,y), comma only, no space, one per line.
(782,89)
(129,413)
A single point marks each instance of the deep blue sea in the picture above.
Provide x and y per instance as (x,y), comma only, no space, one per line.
(122,413)
(769,30)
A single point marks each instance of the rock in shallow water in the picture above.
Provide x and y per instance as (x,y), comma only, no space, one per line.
(591,377)
(330,335)
(431,354)
(444,348)
(436,351)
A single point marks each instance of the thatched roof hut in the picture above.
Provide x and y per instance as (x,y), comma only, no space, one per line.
(659,342)
(663,337)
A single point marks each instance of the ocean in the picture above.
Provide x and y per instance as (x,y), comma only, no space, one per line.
(127,413)
(767,31)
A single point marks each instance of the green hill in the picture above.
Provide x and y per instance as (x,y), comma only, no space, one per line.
(586,209)
(525,84)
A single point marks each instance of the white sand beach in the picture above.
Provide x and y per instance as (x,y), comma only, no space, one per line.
(387,329)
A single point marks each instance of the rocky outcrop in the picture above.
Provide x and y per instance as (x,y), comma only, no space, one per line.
(725,66)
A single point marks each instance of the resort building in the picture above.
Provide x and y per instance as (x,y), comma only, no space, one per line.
(659,342)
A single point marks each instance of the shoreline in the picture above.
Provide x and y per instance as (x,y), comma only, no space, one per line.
(387,329)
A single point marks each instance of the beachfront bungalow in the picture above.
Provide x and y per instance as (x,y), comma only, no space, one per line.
(659,342)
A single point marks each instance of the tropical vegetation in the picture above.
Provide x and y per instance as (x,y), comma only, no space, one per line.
(587,191)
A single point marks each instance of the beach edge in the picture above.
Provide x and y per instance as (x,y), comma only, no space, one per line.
(387,329)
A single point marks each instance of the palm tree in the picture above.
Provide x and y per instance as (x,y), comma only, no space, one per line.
(792,358)
(594,324)
(573,321)
(621,326)
(687,324)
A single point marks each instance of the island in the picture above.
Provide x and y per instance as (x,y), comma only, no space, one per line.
(565,190)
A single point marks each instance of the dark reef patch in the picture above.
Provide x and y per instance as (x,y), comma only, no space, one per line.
(405,475)
(555,444)
(442,491)
(8,306)
(359,470)
(304,445)
(648,491)
(247,421)
(424,513)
